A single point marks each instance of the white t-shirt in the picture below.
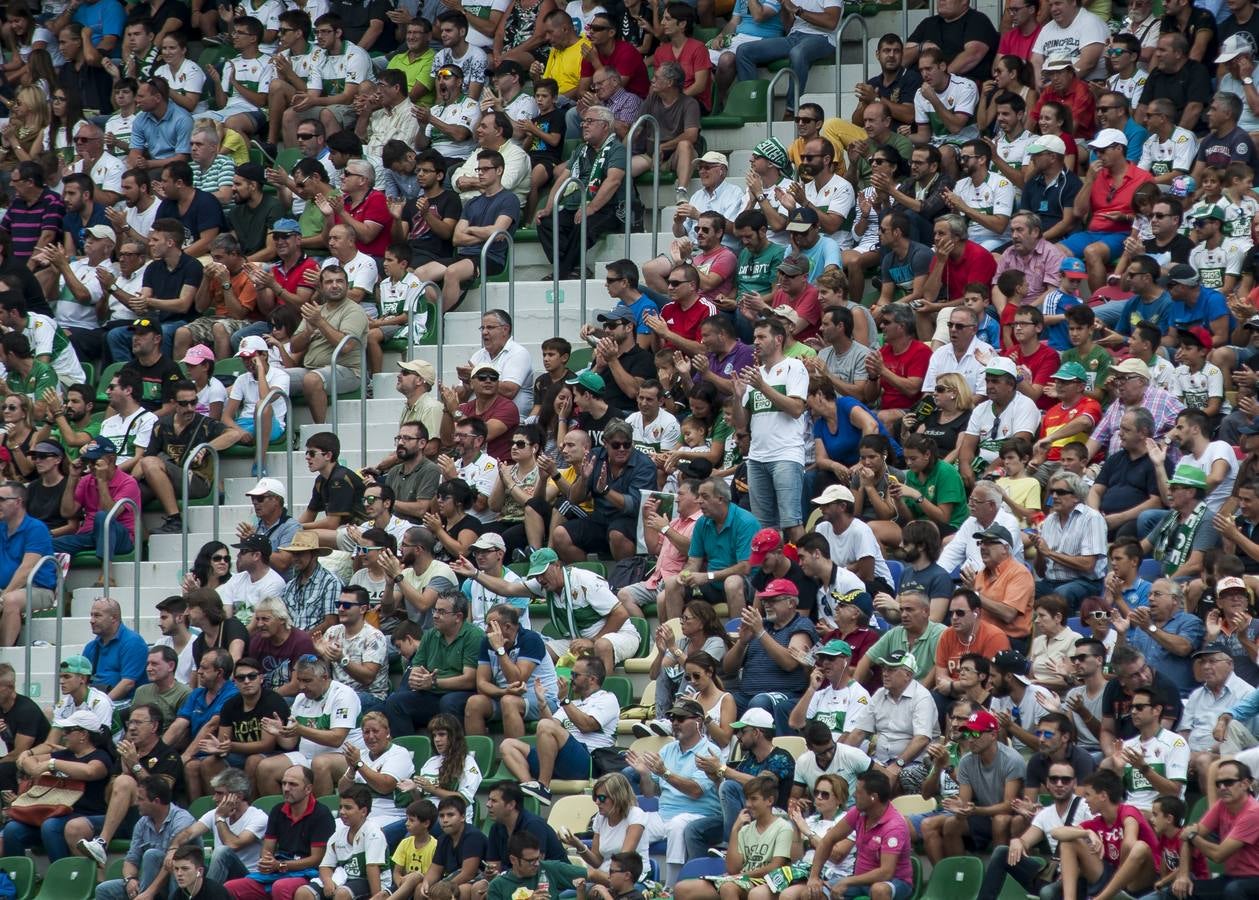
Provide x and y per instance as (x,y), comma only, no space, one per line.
(776,435)
(191,79)
(469,781)
(833,706)
(213,392)
(581,18)
(1049,818)
(242,593)
(856,543)
(604,708)
(1214,265)
(254,821)
(612,837)
(141,222)
(97,703)
(70,312)
(994,196)
(106,172)
(1215,450)
(185,664)
(136,430)
(481,474)
(515,365)
(1168,754)
(337,708)
(350,858)
(1021,414)
(662,434)
(397,761)
(1085,30)
(245,389)
(848,763)
(815,6)
(961,96)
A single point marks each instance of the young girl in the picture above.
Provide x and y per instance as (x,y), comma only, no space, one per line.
(1211,184)
(1142,205)
(211,395)
(1020,491)
(869,482)
(369,573)
(39,71)
(452,770)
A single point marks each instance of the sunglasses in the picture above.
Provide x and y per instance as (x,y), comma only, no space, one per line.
(970,734)
(677,283)
(1136,707)
(187,404)
(823,795)
(1059,492)
(957,613)
(1067,779)
(487,377)
(619,445)
(1221,783)
(520,444)
(1044,733)
(220,557)
(246,676)
(341,604)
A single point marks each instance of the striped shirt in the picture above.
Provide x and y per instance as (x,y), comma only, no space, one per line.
(219,174)
(24,223)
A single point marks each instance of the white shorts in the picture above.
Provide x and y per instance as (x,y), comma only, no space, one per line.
(735,41)
(672,832)
(624,643)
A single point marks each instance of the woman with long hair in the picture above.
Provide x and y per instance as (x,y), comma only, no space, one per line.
(22,35)
(452,769)
(944,426)
(1055,118)
(219,628)
(65,122)
(514,487)
(704,685)
(701,630)
(185,77)
(870,482)
(557,407)
(26,135)
(211,568)
(932,487)
(1012,74)
(456,529)
(17,425)
(618,827)
(40,71)
(830,799)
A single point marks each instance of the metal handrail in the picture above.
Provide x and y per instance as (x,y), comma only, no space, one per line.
(865,40)
(214,488)
(362,402)
(630,187)
(422,298)
(769,97)
(511,271)
(555,247)
(137,545)
(261,453)
(58,604)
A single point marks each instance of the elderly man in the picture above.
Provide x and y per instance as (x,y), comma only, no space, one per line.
(510,358)
(1038,258)
(717,193)
(903,716)
(1066,88)
(1185,532)
(323,327)
(1166,634)
(600,163)
(1127,485)
(1228,625)
(212,171)
(916,634)
(237,827)
(104,168)
(1130,380)
(1207,723)
(1003,585)
(386,113)
(956,263)
(1071,545)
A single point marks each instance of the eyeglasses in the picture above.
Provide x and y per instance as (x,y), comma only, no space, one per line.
(953,325)
(483,169)
(344,604)
(3,499)
(370,498)
(443,612)
(1046,733)
(220,557)
(530,860)
(1081,657)
(186,403)
(1060,779)
(612,279)
(679,283)
(677,718)
(10,408)
(1137,707)
(245,676)
(1059,492)
(1101,109)
(940,389)
(823,795)
(487,377)
(83,139)
(619,445)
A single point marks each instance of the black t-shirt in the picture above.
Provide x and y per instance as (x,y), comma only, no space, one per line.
(173,9)
(1199,20)
(540,150)
(1235,146)
(233,630)
(158,379)
(640,363)
(204,212)
(945,434)
(341,492)
(297,839)
(92,84)
(472,845)
(1115,704)
(210,890)
(44,503)
(25,718)
(594,427)
(92,803)
(162,760)
(1128,482)
(1231,27)
(1192,84)
(1174,251)
(176,444)
(247,725)
(952,38)
(167,283)
(424,244)
(357,18)
(806,586)
(31,291)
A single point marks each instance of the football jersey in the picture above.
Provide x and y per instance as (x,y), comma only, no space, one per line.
(352,66)
(1214,265)
(1167,754)
(255,74)
(961,96)
(993,196)
(1174,154)
(1130,87)
(1195,389)
(337,708)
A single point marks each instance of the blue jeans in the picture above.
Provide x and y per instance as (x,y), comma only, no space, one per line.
(119,341)
(369,702)
(1148,521)
(800,50)
(776,703)
(224,866)
(150,869)
(774,489)
(120,540)
(260,329)
(51,833)
(408,710)
(1073,591)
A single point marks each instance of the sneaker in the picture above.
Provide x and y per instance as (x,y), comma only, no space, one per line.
(537,792)
(661,727)
(170,525)
(716,852)
(640,729)
(95,848)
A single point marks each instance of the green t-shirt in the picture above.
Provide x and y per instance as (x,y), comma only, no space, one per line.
(923,651)
(92,428)
(759,847)
(421,70)
(1096,364)
(448,659)
(944,485)
(42,378)
(310,221)
(758,272)
(550,872)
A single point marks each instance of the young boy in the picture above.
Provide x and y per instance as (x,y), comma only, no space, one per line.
(1197,383)
(118,128)
(1167,816)
(1211,192)
(1095,358)
(975,296)
(1075,459)
(1012,284)
(543,137)
(414,853)
(1143,344)
(460,849)
(1125,588)
(1022,491)
(1239,205)
(1127,844)
(258,380)
(760,842)
(555,354)
(624,870)
(399,291)
(354,865)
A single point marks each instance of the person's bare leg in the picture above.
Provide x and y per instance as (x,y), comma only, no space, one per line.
(375,350)
(182,341)
(951,833)
(564,547)
(316,394)
(122,796)
(1097,261)
(684,163)
(456,275)
(289,120)
(725,77)
(734,587)
(515,756)
(269,773)
(933,838)
(222,341)
(603,649)
(79,829)
(477,713)
(622,546)
(243,124)
(330,122)
(279,98)
(328,769)
(535,528)
(656,274)
(513,712)
(1069,867)
(671,600)
(1133,875)
(551,736)
(14,610)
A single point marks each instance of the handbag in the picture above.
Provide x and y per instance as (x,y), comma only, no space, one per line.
(46,797)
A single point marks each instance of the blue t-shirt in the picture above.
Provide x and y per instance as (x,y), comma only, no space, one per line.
(990,329)
(126,656)
(841,445)
(32,536)
(77,228)
(1056,303)
(643,306)
(482,211)
(104,17)
(1157,313)
(771,27)
(822,254)
(1211,305)
(197,710)
(203,213)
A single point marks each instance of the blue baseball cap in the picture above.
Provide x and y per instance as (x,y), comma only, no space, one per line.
(101,446)
(1073,266)
(286,226)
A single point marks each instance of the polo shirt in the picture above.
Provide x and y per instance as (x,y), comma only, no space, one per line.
(1243,827)
(297,833)
(374,208)
(448,658)
(725,546)
(1177,669)
(1107,197)
(163,137)
(31,536)
(923,649)
(124,656)
(552,875)
(496,842)
(1012,584)
(1083,534)
(896,720)
(1128,482)
(682,762)
(199,709)
(166,282)
(42,377)
(1049,200)
(25,222)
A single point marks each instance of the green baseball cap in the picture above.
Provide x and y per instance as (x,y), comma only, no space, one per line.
(76,665)
(589,379)
(834,648)
(540,560)
(1189,476)
(1070,371)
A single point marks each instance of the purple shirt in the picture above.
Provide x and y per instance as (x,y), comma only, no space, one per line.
(624,106)
(739,358)
(24,223)
(890,834)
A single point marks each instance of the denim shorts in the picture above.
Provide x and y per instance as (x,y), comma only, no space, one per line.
(571,762)
(774,492)
(1112,239)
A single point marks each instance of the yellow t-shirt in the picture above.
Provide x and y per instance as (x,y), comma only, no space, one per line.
(1023,491)
(565,65)
(234,146)
(412,859)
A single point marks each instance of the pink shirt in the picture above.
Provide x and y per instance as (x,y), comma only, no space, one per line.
(890,834)
(1243,827)
(671,560)
(88,497)
(720,261)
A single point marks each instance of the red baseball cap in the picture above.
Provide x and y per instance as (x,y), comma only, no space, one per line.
(1196,334)
(982,720)
(779,587)
(764,542)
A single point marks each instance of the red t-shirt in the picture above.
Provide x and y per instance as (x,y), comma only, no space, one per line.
(1112,834)
(374,208)
(1057,416)
(719,261)
(1042,363)
(296,276)
(693,58)
(1243,827)
(806,305)
(503,410)
(1167,857)
(976,264)
(685,322)
(1081,103)
(1015,43)
(1106,197)
(910,364)
(626,59)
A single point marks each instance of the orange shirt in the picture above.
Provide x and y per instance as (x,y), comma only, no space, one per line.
(988,641)
(1014,586)
(1058,416)
(245,292)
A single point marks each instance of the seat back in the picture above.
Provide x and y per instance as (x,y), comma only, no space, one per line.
(333,802)
(793,744)
(621,688)
(697,868)
(21,870)
(71,878)
(955,876)
(268,802)
(573,812)
(420,746)
(481,747)
(651,744)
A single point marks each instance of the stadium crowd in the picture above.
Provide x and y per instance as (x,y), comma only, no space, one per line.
(918,477)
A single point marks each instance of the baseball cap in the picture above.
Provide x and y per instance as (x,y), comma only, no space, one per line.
(146,325)
(983,721)
(695,468)
(764,542)
(589,379)
(687,707)
(834,647)
(268,486)
(490,541)
(104,232)
(198,354)
(1048,143)
(994,532)
(286,226)
(77,665)
(618,313)
(101,446)
(713,158)
(252,171)
(859,599)
(1215,646)
(484,367)
(754,718)
(794,264)
(784,311)
(1108,137)
(421,367)
(509,67)
(1074,267)
(255,543)
(1181,273)
(898,659)
(1195,334)
(1231,583)
(802,218)
(52,448)
(1070,371)
(1233,47)
(1187,475)
(834,494)
(1131,366)
(779,587)
(80,718)
(1211,212)
(1056,64)
(1010,661)
(1001,365)
(540,561)
(251,345)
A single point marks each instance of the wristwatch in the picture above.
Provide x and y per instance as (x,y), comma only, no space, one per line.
(397,579)
(899,763)
(1248,81)
(345,661)
(1151,628)
(501,651)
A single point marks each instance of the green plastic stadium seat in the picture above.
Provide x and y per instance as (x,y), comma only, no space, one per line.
(482,748)
(21,870)
(268,802)
(106,376)
(621,688)
(955,876)
(420,746)
(72,878)
(746,103)
(332,801)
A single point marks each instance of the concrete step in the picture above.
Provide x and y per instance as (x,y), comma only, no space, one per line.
(43,657)
(77,629)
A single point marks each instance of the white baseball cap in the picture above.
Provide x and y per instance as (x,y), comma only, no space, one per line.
(268,486)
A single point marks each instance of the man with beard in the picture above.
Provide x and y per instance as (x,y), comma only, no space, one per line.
(622,364)
(1012,138)
(427,223)
(705,250)
(1169,246)
(75,424)
(1169,151)
(416,579)
(253,212)
(254,578)
(323,327)
(985,197)
(1049,191)
(895,84)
